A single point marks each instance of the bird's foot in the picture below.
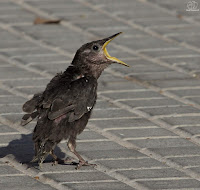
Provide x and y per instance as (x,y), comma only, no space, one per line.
(68,160)
(83,163)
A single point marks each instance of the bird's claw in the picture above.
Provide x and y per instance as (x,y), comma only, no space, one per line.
(84,163)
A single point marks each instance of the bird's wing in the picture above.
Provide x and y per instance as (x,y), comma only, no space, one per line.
(77,100)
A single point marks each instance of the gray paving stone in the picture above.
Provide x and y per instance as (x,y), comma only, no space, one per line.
(79,176)
(152,173)
(132,95)
(140,66)
(151,102)
(137,133)
(5,170)
(4,92)
(167,52)
(160,76)
(96,145)
(172,184)
(19,182)
(163,21)
(131,163)
(176,83)
(162,142)
(186,92)
(6,108)
(195,99)
(193,130)
(100,104)
(14,72)
(40,59)
(177,151)
(89,135)
(6,129)
(35,82)
(100,186)
(121,123)
(110,154)
(185,120)
(99,114)
(170,110)
(12,99)
(187,161)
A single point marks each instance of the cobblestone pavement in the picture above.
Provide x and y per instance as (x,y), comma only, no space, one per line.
(145,128)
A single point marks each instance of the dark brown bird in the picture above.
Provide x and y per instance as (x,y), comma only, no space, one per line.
(63,109)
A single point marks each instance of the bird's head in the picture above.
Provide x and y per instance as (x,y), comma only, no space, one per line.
(94,55)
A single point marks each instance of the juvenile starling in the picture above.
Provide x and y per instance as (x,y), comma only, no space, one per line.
(63,109)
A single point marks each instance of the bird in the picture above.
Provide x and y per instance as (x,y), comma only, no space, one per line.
(63,109)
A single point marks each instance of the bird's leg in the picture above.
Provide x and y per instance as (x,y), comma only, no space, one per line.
(57,160)
(72,147)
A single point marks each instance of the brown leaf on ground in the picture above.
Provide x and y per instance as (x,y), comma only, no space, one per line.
(179,16)
(39,20)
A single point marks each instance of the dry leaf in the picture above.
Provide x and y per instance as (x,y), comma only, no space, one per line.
(179,16)
(36,177)
(39,20)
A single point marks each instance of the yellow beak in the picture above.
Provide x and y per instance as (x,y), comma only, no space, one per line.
(107,54)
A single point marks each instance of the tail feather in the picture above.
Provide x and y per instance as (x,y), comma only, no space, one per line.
(27,118)
(32,104)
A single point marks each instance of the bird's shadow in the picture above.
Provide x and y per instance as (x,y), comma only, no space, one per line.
(23,150)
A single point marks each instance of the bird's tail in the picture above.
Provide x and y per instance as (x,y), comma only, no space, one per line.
(29,117)
(32,104)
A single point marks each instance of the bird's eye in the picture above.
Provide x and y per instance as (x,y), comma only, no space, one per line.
(95,48)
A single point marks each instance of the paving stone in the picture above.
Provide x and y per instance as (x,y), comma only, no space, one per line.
(169,52)
(89,135)
(176,83)
(110,154)
(164,102)
(79,176)
(98,145)
(99,114)
(172,184)
(100,186)
(184,120)
(193,130)
(19,182)
(132,95)
(40,59)
(152,173)
(35,82)
(186,92)
(187,161)
(122,123)
(6,108)
(145,132)
(6,170)
(15,72)
(6,129)
(162,142)
(131,163)
(177,151)
(170,110)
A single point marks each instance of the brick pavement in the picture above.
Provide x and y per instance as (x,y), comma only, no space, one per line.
(145,128)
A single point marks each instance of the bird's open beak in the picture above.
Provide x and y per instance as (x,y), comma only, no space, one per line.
(108,40)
